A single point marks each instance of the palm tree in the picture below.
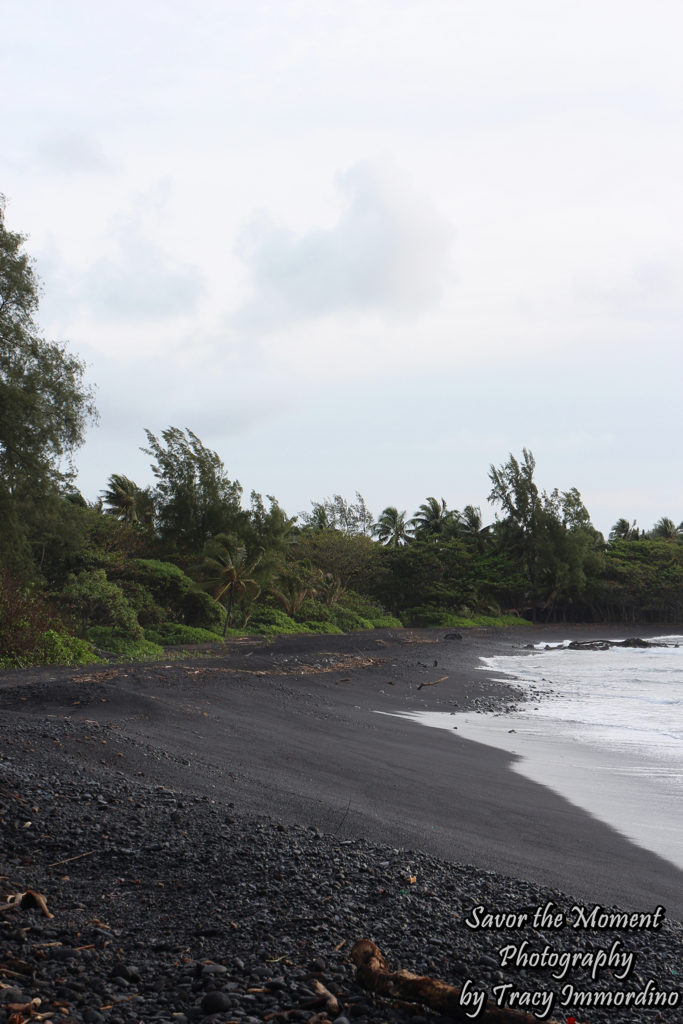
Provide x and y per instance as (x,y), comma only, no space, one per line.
(623,530)
(472,527)
(391,528)
(666,529)
(125,500)
(433,519)
(292,587)
(328,587)
(227,573)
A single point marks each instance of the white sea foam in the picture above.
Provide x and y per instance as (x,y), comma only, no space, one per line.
(626,699)
(603,728)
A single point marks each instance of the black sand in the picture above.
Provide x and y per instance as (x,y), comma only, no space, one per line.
(287,733)
(289,729)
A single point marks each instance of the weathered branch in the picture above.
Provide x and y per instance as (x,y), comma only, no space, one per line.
(25,900)
(374,975)
(68,860)
(442,680)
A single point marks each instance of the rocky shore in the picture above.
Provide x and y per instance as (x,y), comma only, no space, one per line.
(172,905)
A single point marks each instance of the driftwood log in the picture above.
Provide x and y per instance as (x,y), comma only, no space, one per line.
(374,975)
(24,900)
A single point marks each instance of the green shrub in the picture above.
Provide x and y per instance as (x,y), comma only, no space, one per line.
(31,632)
(348,621)
(314,611)
(56,648)
(175,591)
(147,610)
(170,634)
(386,622)
(430,616)
(366,611)
(323,627)
(98,601)
(271,621)
(199,609)
(361,605)
(126,647)
(165,580)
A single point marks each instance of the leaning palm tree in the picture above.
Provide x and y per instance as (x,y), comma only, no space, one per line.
(121,498)
(433,519)
(666,529)
(227,573)
(391,528)
(623,530)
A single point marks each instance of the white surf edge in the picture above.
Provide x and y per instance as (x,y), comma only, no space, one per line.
(621,794)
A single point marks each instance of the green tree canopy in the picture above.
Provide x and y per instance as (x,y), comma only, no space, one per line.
(194,499)
(337,513)
(45,406)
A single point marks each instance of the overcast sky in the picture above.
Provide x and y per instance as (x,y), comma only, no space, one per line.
(369,245)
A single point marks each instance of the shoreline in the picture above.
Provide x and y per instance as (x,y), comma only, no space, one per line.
(210,833)
(600,782)
(638,797)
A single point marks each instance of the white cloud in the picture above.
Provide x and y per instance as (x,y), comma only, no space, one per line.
(141,279)
(388,252)
(142,284)
(73,153)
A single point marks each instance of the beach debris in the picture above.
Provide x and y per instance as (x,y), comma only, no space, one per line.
(323,1000)
(413,638)
(25,901)
(373,974)
(294,666)
(441,680)
(20,1012)
(330,1003)
(68,860)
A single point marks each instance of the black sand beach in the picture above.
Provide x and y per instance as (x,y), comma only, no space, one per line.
(205,774)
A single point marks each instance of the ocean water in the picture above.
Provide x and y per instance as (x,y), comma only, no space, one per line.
(603,728)
(624,699)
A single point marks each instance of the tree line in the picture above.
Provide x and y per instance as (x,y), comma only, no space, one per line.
(188,560)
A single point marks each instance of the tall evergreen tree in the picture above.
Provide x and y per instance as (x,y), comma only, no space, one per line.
(45,405)
(194,498)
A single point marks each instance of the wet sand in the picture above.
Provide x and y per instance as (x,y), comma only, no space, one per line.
(620,790)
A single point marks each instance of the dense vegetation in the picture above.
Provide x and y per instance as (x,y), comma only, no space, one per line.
(187,561)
